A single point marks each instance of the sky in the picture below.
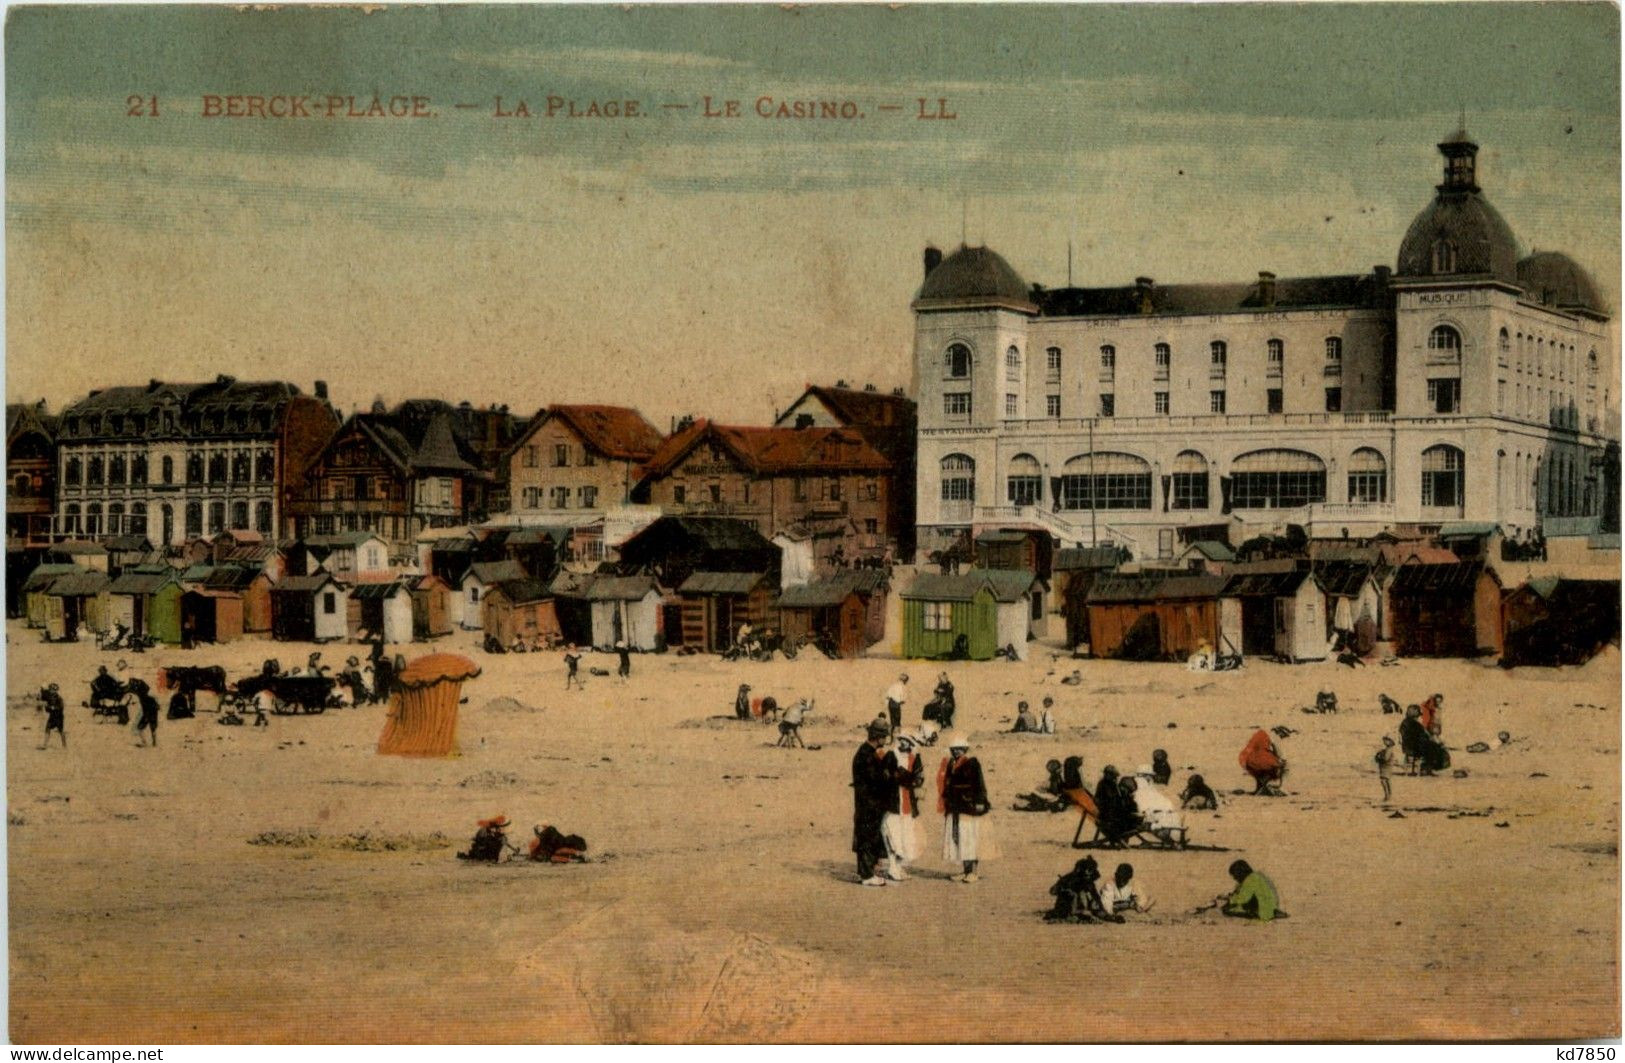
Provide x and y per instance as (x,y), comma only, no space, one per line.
(685,264)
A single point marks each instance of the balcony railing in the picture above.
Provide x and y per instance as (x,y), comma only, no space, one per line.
(1333,369)
(1215,372)
(1205,421)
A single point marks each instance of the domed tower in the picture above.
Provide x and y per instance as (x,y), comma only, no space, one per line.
(1459,234)
(971,373)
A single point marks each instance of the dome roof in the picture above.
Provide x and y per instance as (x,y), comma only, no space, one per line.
(1557,280)
(972,276)
(1481,239)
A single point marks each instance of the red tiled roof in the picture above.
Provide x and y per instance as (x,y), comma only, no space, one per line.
(614,431)
(872,408)
(775,450)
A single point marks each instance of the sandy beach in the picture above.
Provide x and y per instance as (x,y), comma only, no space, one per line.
(288,884)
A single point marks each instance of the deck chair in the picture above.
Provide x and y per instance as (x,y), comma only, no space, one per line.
(1087,813)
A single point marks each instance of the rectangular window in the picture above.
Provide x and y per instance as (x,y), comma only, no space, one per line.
(871,526)
(939,616)
(679,494)
(324,524)
(1273,398)
(1215,402)
(1218,353)
(1334,349)
(832,490)
(1277,490)
(1126,490)
(960,488)
(1368,486)
(1010,404)
(560,498)
(588,457)
(715,491)
(530,457)
(1108,405)
(1108,358)
(956,404)
(1164,356)
(1501,395)
(330,603)
(1159,401)
(589,497)
(1189,490)
(561,455)
(801,489)
(1445,395)
(1052,361)
(1334,400)
(1025,490)
(1052,405)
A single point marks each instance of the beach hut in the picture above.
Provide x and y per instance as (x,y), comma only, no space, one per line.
(520,608)
(570,605)
(126,551)
(715,605)
(1016,549)
(383,608)
(310,609)
(1554,621)
(431,599)
(1207,555)
(1283,611)
(422,716)
(1351,592)
(1167,615)
(477,582)
(38,582)
(626,608)
(147,601)
(76,602)
(255,588)
(1445,610)
(88,555)
(1076,569)
(828,611)
(211,616)
(988,608)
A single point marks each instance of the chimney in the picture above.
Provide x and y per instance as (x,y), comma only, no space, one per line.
(153,385)
(897,392)
(1382,274)
(321,390)
(225,381)
(1266,288)
(840,383)
(869,387)
(1144,287)
(933,259)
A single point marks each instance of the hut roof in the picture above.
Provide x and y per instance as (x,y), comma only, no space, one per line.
(523,591)
(816,595)
(569,584)
(44,575)
(134,582)
(78,585)
(1265,584)
(1005,537)
(489,572)
(231,578)
(1212,550)
(376,592)
(1006,585)
(621,589)
(127,543)
(1342,579)
(721,583)
(303,584)
(78,546)
(1468,529)
(1153,587)
(1077,558)
(1436,579)
(355,538)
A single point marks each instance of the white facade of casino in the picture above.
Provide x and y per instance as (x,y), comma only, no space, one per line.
(1470,384)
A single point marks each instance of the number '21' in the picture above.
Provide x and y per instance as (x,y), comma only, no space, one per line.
(139,106)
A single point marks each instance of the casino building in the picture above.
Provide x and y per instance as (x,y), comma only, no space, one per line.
(1470,383)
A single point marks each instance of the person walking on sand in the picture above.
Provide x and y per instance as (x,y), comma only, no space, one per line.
(896,698)
(572,664)
(625,654)
(898,828)
(55,712)
(962,799)
(873,788)
(1385,761)
(149,711)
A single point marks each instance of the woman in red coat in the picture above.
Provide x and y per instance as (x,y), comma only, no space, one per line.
(1260,759)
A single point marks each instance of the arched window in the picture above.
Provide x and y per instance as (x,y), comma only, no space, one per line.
(1218,352)
(1108,358)
(958,360)
(1334,349)
(136,523)
(194,519)
(265,467)
(239,467)
(168,516)
(1164,356)
(1523,351)
(1024,483)
(71,474)
(1444,256)
(1277,479)
(1444,470)
(194,468)
(115,469)
(93,519)
(1368,476)
(217,517)
(168,469)
(1106,480)
(1504,344)
(1052,362)
(239,515)
(1190,481)
(93,471)
(1445,340)
(262,517)
(138,469)
(115,518)
(70,519)
(1012,363)
(1277,353)
(217,468)
(958,478)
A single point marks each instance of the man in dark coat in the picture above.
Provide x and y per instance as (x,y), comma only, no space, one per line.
(55,713)
(1106,801)
(149,711)
(873,790)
